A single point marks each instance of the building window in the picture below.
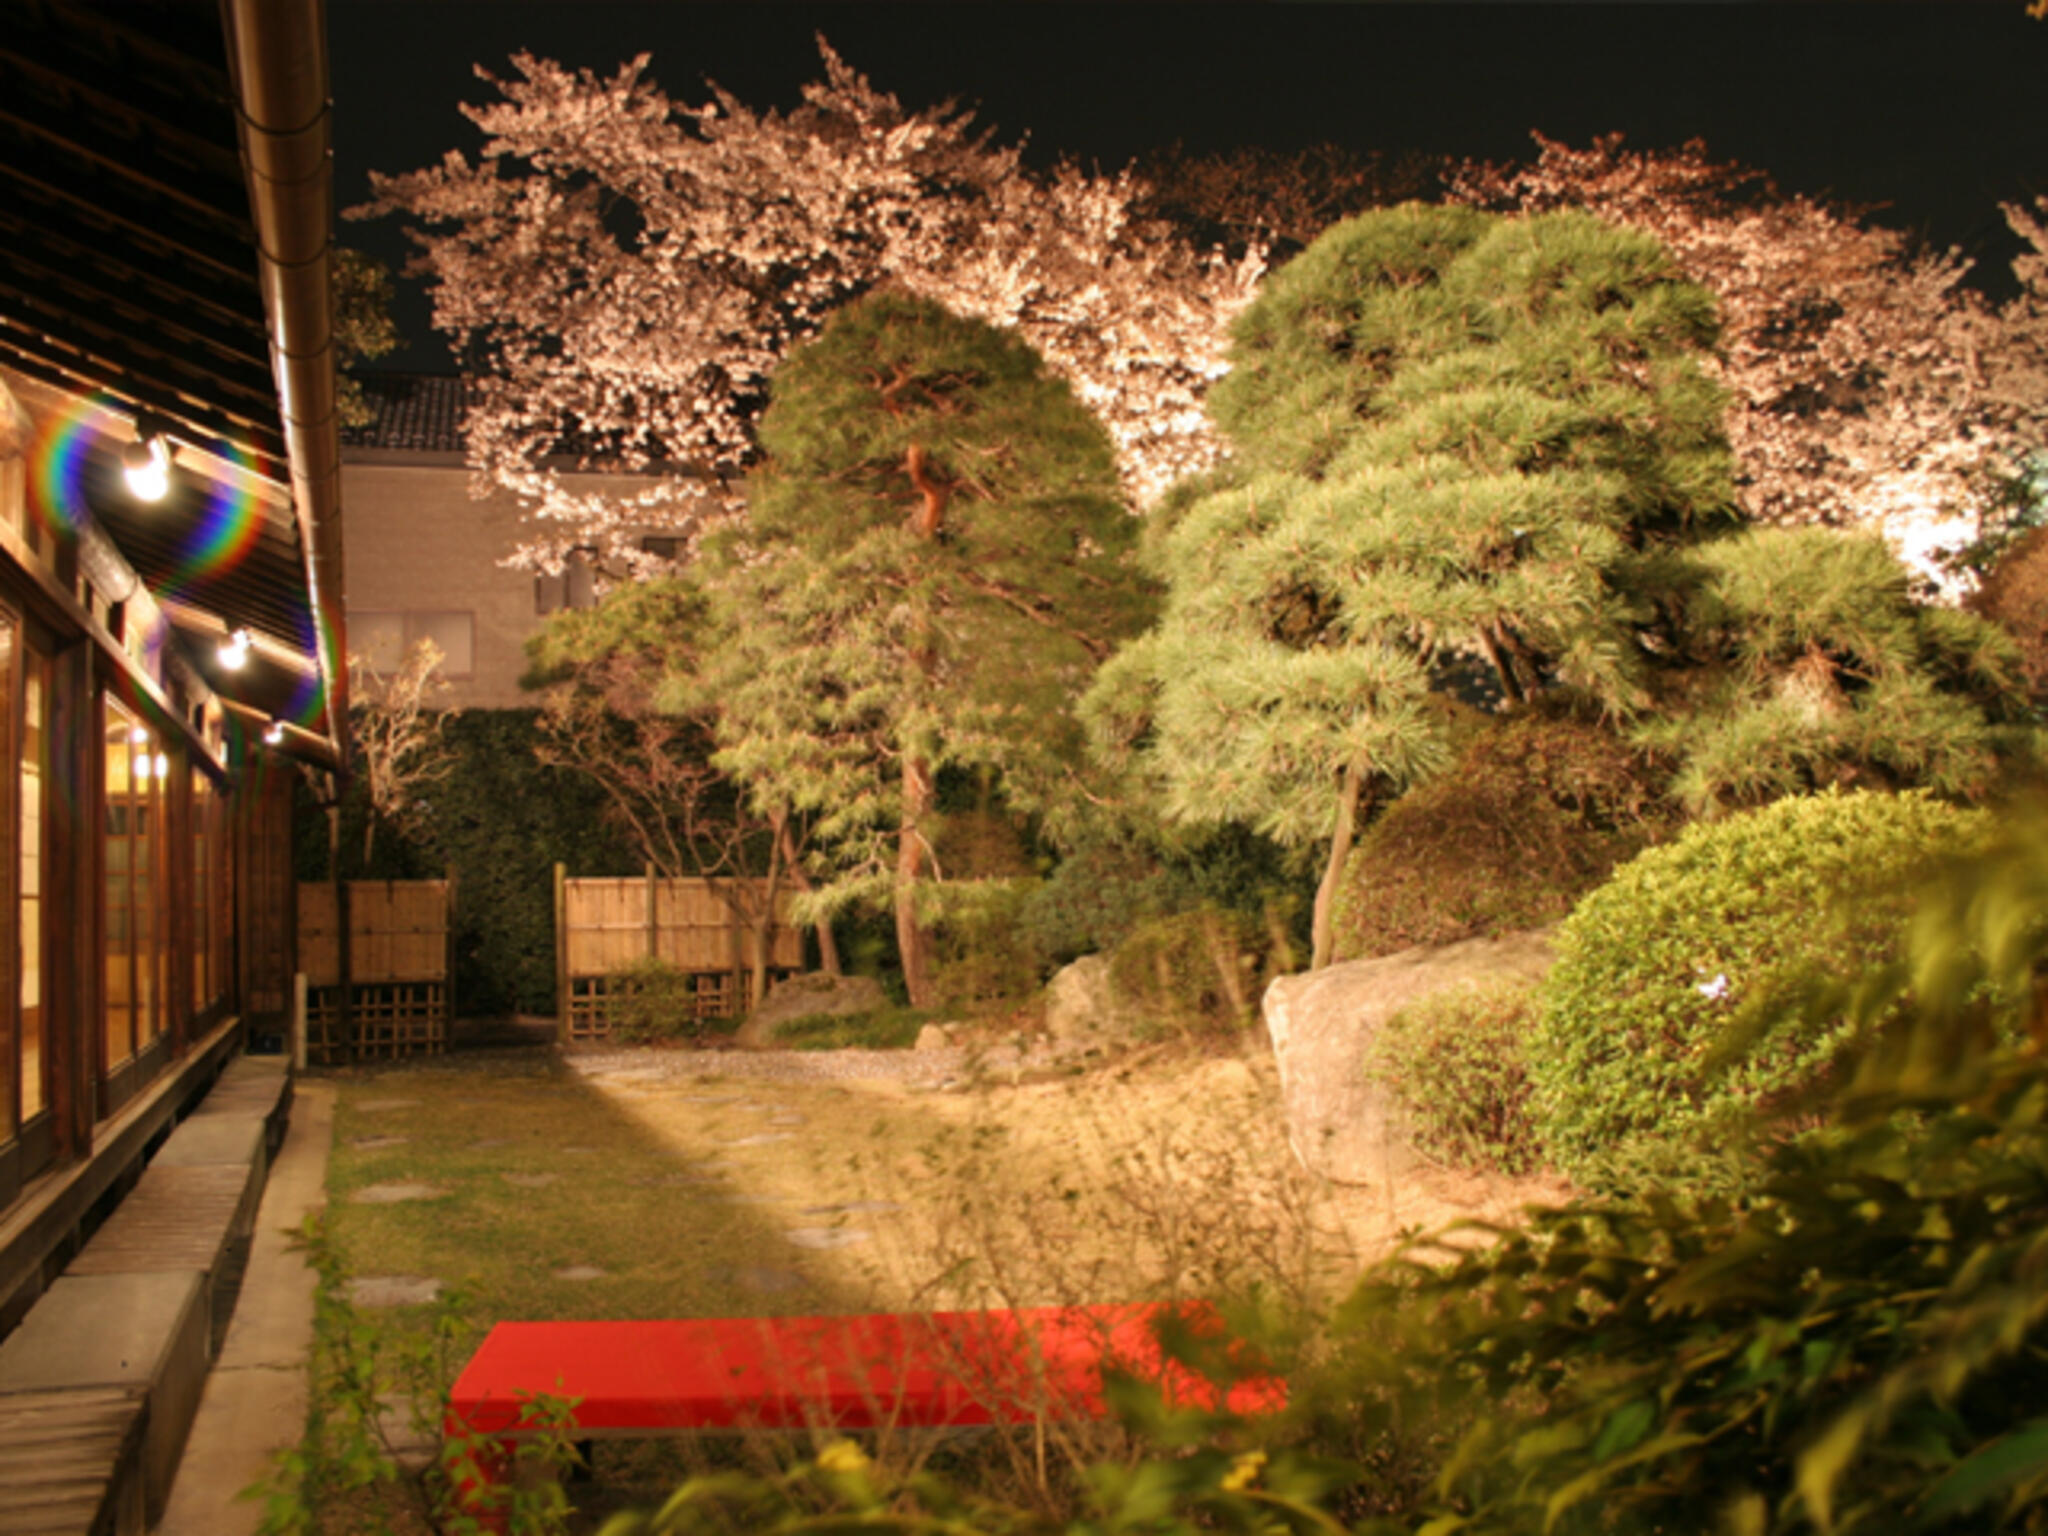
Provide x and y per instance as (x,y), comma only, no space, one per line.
(383,639)
(574,586)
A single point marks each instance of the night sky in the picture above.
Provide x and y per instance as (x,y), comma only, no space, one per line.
(1936,110)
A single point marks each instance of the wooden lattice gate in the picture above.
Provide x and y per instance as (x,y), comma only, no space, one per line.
(605,926)
(400,978)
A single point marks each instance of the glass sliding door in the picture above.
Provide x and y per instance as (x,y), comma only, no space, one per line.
(38,671)
(11,913)
(135,955)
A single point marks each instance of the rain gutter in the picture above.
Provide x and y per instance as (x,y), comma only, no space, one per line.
(277,59)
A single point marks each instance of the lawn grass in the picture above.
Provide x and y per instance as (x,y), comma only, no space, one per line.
(730,1196)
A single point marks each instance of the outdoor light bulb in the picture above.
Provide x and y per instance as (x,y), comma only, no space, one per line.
(142,767)
(146,465)
(234,650)
(137,735)
(274,732)
(163,765)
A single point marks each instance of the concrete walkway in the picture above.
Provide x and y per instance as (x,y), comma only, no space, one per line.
(256,1396)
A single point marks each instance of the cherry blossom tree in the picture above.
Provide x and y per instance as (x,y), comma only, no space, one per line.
(622,272)
(1860,370)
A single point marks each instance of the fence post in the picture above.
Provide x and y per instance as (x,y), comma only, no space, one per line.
(653,916)
(298,1021)
(561,951)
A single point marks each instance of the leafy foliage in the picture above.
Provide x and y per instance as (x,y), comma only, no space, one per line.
(497,823)
(1654,966)
(1535,810)
(1203,968)
(1458,1062)
(1856,1348)
(651,1002)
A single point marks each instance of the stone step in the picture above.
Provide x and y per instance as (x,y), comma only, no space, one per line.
(145,1333)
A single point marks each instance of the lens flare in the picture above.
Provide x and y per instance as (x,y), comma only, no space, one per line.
(63,453)
(228,525)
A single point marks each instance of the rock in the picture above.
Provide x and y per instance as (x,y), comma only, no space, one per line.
(1082,1006)
(1340,1125)
(805,997)
(935,1037)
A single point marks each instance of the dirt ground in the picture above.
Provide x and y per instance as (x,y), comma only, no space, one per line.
(1167,1168)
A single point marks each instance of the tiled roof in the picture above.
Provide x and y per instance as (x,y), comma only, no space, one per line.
(416,412)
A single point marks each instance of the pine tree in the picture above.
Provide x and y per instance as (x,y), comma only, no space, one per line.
(1456,436)
(931,568)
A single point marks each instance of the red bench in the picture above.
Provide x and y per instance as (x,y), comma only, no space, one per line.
(936,1369)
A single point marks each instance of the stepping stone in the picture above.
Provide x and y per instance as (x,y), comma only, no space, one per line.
(773,1282)
(709,1098)
(761,1140)
(530,1180)
(373,1143)
(853,1208)
(577,1151)
(580,1272)
(393,1290)
(490,1141)
(397,1194)
(827,1237)
(753,1199)
(380,1106)
(786,1119)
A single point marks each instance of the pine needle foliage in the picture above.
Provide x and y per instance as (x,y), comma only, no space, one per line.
(1455,435)
(934,563)
(1813,666)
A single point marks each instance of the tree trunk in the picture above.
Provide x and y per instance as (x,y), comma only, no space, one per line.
(1503,664)
(828,948)
(1323,940)
(764,926)
(913,940)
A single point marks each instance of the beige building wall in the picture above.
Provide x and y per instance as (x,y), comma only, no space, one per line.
(424,558)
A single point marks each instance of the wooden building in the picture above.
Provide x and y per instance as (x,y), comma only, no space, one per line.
(170,570)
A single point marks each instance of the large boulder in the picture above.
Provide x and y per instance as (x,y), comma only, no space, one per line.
(805,997)
(1083,1006)
(1341,1125)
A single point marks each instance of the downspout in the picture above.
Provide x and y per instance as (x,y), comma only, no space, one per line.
(277,59)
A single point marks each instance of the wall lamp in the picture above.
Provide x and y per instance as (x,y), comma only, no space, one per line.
(234,651)
(146,462)
(273,733)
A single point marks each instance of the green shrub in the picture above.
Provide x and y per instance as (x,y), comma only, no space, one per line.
(498,823)
(885,1029)
(1654,966)
(1193,970)
(979,960)
(1457,1061)
(1856,1348)
(650,1002)
(1535,811)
